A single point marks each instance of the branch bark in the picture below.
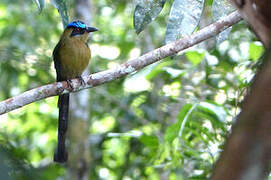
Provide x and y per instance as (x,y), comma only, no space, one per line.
(121,71)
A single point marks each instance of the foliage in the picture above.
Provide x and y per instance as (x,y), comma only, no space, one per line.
(183,19)
(145,12)
(168,120)
(184,16)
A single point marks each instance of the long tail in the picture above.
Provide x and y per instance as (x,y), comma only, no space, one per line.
(61,154)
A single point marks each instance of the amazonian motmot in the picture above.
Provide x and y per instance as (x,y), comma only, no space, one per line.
(71,57)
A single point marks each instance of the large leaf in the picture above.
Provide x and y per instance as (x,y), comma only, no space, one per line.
(62,9)
(146,12)
(218,111)
(183,19)
(222,8)
(173,131)
(40,4)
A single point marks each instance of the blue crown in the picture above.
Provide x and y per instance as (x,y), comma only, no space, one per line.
(77,24)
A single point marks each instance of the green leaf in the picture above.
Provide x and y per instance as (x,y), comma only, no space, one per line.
(183,19)
(146,12)
(220,9)
(194,56)
(158,69)
(150,141)
(173,131)
(40,4)
(255,50)
(62,9)
(174,72)
(184,120)
(215,110)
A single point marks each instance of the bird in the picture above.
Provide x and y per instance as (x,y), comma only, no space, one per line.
(71,57)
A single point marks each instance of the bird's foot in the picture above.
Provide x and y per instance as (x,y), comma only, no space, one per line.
(69,83)
(82,82)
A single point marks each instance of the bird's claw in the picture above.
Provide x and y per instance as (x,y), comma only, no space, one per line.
(69,83)
(82,82)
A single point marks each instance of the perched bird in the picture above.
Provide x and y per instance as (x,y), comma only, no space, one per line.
(71,57)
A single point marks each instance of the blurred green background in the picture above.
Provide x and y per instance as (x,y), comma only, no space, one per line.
(167,121)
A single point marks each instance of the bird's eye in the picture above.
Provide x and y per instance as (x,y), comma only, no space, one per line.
(77,31)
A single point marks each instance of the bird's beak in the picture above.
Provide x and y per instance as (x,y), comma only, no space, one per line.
(91,29)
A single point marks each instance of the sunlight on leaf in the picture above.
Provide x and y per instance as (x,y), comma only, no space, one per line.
(217,110)
(194,56)
(183,19)
(255,50)
(220,9)
(133,133)
(174,72)
(146,12)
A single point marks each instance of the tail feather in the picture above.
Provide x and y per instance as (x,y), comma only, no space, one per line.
(61,155)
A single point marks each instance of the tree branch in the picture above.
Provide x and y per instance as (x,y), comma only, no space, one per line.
(121,71)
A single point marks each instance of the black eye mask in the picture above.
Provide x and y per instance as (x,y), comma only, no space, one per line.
(77,31)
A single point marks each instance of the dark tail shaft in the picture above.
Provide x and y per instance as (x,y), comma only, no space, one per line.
(61,155)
